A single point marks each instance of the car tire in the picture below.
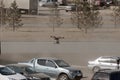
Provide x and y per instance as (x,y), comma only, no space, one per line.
(66,10)
(95,69)
(63,77)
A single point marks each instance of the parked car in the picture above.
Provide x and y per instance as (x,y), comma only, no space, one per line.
(8,74)
(104,62)
(28,71)
(56,68)
(109,3)
(103,3)
(107,75)
(70,7)
(48,3)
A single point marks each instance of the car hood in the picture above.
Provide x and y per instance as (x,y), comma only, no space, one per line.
(71,68)
(17,76)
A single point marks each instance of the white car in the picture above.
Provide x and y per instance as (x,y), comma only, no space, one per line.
(48,3)
(70,7)
(104,62)
(8,74)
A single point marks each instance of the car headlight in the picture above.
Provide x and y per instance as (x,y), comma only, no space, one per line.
(76,73)
(35,78)
(11,79)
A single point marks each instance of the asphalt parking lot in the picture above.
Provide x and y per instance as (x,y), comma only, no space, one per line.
(75,53)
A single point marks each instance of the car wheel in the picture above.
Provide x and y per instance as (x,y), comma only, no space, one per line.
(63,77)
(95,69)
(66,10)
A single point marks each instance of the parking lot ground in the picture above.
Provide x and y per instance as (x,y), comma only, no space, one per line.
(76,47)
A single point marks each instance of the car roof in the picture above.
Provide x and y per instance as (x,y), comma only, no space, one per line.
(49,58)
(2,66)
(113,57)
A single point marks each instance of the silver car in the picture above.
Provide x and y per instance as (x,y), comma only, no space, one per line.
(55,68)
(104,62)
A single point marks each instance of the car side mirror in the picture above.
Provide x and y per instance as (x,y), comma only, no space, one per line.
(55,66)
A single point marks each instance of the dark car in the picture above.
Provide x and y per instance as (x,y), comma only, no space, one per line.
(28,72)
(107,74)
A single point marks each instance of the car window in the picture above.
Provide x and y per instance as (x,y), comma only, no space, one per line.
(50,64)
(105,57)
(101,76)
(48,0)
(32,61)
(104,61)
(30,70)
(113,61)
(6,71)
(16,69)
(41,62)
(61,63)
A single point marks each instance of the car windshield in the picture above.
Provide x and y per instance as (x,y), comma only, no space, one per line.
(6,71)
(61,63)
(28,70)
(16,69)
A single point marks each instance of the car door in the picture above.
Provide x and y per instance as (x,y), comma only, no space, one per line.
(40,65)
(105,63)
(51,68)
(113,63)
